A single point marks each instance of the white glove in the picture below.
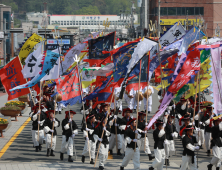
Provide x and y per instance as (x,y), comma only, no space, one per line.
(87,129)
(174,106)
(39,122)
(116,124)
(73,135)
(197,129)
(53,120)
(146,124)
(87,138)
(197,147)
(144,131)
(200,123)
(100,139)
(134,140)
(51,130)
(166,142)
(115,116)
(38,111)
(168,111)
(41,98)
(104,128)
(193,123)
(136,131)
(164,125)
(172,134)
(70,120)
(131,117)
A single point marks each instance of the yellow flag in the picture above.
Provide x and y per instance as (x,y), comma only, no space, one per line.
(28,46)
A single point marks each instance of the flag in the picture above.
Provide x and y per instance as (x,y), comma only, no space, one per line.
(28,46)
(142,48)
(33,63)
(174,33)
(54,72)
(99,71)
(11,76)
(189,69)
(76,50)
(193,35)
(48,63)
(69,87)
(96,46)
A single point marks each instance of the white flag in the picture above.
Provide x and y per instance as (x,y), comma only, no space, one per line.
(54,72)
(174,33)
(142,48)
(33,63)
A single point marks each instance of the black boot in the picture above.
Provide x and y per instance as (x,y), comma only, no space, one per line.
(111,152)
(36,148)
(201,147)
(40,147)
(208,152)
(217,168)
(121,168)
(48,150)
(70,159)
(101,167)
(52,154)
(151,168)
(91,162)
(83,159)
(168,162)
(119,153)
(60,112)
(151,157)
(61,156)
(209,166)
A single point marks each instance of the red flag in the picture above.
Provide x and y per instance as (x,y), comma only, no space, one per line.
(189,67)
(11,76)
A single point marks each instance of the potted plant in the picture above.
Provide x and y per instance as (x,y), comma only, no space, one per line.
(16,103)
(3,125)
(12,111)
(23,98)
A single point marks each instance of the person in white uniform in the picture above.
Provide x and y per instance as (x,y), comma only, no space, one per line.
(70,129)
(132,150)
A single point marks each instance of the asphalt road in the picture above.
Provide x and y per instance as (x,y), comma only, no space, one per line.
(21,150)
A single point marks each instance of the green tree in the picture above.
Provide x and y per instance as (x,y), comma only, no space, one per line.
(90,10)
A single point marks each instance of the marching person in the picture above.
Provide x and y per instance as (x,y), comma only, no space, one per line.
(49,130)
(216,144)
(186,120)
(141,128)
(189,158)
(150,91)
(159,139)
(114,122)
(132,150)
(104,147)
(38,140)
(207,117)
(104,111)
(90,142)
(69,130)
(126,117)
(171,133)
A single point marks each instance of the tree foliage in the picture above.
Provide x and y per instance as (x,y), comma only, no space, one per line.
(81,7)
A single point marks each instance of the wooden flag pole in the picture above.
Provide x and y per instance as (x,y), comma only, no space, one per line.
(195,99)
(84,115)
(103,130)
(137,104)
(147,98)
(40,96)
(115,126)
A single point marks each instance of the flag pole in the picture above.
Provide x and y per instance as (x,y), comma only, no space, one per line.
(103,129)
(115,126)
(138,104)
(40,96)
(147,98)
(80,86)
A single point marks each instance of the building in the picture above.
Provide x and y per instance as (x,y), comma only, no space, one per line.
(38,18)
(91,22)
(176,10)
(5,25)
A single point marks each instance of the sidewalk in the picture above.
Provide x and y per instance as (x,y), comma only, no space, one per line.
(14,127)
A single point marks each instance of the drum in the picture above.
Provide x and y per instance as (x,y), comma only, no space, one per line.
(149,91)
(59,98)
(140,96)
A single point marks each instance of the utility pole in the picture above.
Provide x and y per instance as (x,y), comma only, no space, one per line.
(4,44)
(148,17)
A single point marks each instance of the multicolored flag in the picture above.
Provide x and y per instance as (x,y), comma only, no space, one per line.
(69,87)
(11,76)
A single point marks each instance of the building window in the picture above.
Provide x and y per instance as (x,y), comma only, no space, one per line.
(190,10)
(64,22)
(163,11)
(183,11)
(172,11)
(74,23)
(85,22)
(88,22)
(179,11)
(67,22)
(61,22)
(201,10)
(80,23)
(101,23)
(77,22)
